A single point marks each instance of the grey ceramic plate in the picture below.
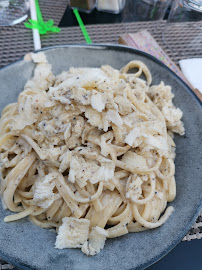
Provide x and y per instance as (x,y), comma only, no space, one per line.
(27,246)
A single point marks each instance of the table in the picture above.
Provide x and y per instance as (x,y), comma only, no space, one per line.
(133,11)
(17,40)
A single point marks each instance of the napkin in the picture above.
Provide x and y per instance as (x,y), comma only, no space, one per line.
(192,70)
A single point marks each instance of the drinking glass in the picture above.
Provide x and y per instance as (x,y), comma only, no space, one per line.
(155,9)
(13,11)
(145,10)
(183,30)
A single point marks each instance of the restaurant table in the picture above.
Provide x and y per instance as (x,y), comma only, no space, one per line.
(137,10)
(17,40)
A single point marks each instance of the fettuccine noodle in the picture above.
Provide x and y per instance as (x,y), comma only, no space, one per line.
(90,152)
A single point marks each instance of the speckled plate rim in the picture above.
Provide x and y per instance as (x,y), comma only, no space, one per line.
(102,46)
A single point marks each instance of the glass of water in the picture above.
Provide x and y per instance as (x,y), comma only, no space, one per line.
(13,11)
(154,9)
(183,31)
(145,10)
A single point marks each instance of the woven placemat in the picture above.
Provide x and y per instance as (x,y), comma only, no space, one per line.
(16,41)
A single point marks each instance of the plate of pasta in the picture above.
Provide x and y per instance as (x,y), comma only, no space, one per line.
(100,153)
